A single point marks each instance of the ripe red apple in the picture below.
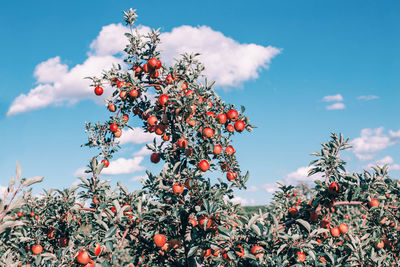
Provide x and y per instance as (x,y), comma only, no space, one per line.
(97,249)
(82,257)
(217,150)
(256,250)
(230,128)
(152,120)
(373,203)
(120,84)
(335,232)
(163,99)
(169,79)
(204,165)
(106,163)
(159,240)
(189,93)
(182,142)
(343,228)
(301,256)
(222,118)
(118,133)
(112,107)
(229,150)
(208,132)
(232,115)
(239,126)
(113,128)
(152,63)
(37,249)
(159,64)
(125,117)
(134,93)
(210,113)
(231,176)
(98,90)
(123,94)
(177,188)
(155,158)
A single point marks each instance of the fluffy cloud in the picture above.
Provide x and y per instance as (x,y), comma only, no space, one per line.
(333,98)
(367,97)
(299,176)
(65,86)
(336,106)
(136,136)
(270,187)
(242,201)
(118,166)
(371,141)
(227,62)
(144,151)
(252,188)
(124,166)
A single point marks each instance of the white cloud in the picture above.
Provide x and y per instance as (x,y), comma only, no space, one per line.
(394,134)
(65,87)
(384,161)
(80,172)
(373,140)
(118,166)
(110,41)
(270,187)
(139,178)
(367,97)
(301,175)
(333,98)
(336,106)
(144,151)
(242,201)
(252,189)
(124,166)
(227,62)
(394,167)
(136,136)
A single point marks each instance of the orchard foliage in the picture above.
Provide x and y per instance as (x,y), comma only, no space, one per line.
(182,216)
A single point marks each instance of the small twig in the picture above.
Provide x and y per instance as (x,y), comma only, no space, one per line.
(123,238)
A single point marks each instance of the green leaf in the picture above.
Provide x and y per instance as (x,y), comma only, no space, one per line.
(304,223)
(84,180)
(31,181)
(256,229)
(252,220)
(192,251)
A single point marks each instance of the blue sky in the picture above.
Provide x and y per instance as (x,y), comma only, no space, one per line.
(347,50)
